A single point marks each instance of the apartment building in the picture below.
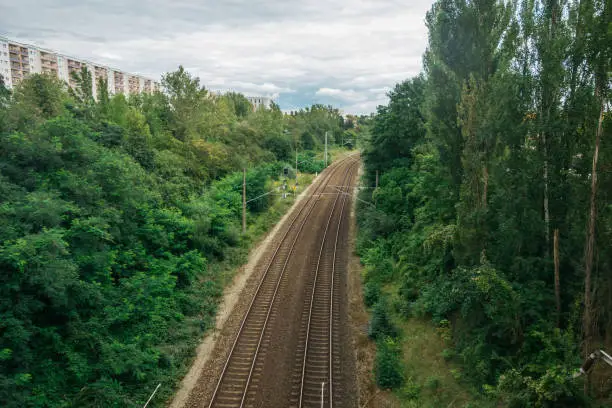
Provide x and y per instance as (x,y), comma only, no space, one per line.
(49,63)
(258,101)
(118,82)
(133,84)
(18,60)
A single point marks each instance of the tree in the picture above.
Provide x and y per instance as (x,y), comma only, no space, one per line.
(601,60)
(464,210)
(398,127)
(187,100)
(41,97)
(240,104)
(5,95)
(82,91)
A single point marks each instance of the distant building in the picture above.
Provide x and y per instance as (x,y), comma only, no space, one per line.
(18,60)
(258,101)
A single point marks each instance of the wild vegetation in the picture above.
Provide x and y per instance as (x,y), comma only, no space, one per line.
(492,217)
(120,221)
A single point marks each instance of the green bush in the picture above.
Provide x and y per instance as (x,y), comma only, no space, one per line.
(380,325)
(371,293)
(432,382)
(555,389)
(448,354)
(411,390)
(388,365)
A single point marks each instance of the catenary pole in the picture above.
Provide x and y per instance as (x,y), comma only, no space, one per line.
(326,149)
(244,200)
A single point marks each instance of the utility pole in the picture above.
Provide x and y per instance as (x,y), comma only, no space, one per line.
(244,200)
(151,397)
(375,188)
(322,394)
(296,170)
(325,148)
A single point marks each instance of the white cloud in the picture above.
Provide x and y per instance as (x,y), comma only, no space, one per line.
(249,88)
(356,49)
(348,95)
(107,55)
(364,108)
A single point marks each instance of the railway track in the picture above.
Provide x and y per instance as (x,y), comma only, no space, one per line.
(240,376)
(319,343)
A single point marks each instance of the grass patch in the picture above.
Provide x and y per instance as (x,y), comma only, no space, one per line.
(431,378)
(438,381)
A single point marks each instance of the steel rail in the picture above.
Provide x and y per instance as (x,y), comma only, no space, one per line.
(320,187)
(331,301)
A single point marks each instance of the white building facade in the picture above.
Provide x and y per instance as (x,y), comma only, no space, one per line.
(17,60)
(258,101)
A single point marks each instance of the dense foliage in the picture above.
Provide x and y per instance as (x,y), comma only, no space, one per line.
(116,218)
(492,159)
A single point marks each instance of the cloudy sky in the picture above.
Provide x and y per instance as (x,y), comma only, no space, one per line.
(342,52)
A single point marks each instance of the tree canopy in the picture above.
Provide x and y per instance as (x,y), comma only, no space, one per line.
(492,211)
(116,217)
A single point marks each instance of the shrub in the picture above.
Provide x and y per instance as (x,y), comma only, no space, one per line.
(432,382)
(371,293)
(380,325)
(556,388)
(389,371)
(411,390)
(448,354)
